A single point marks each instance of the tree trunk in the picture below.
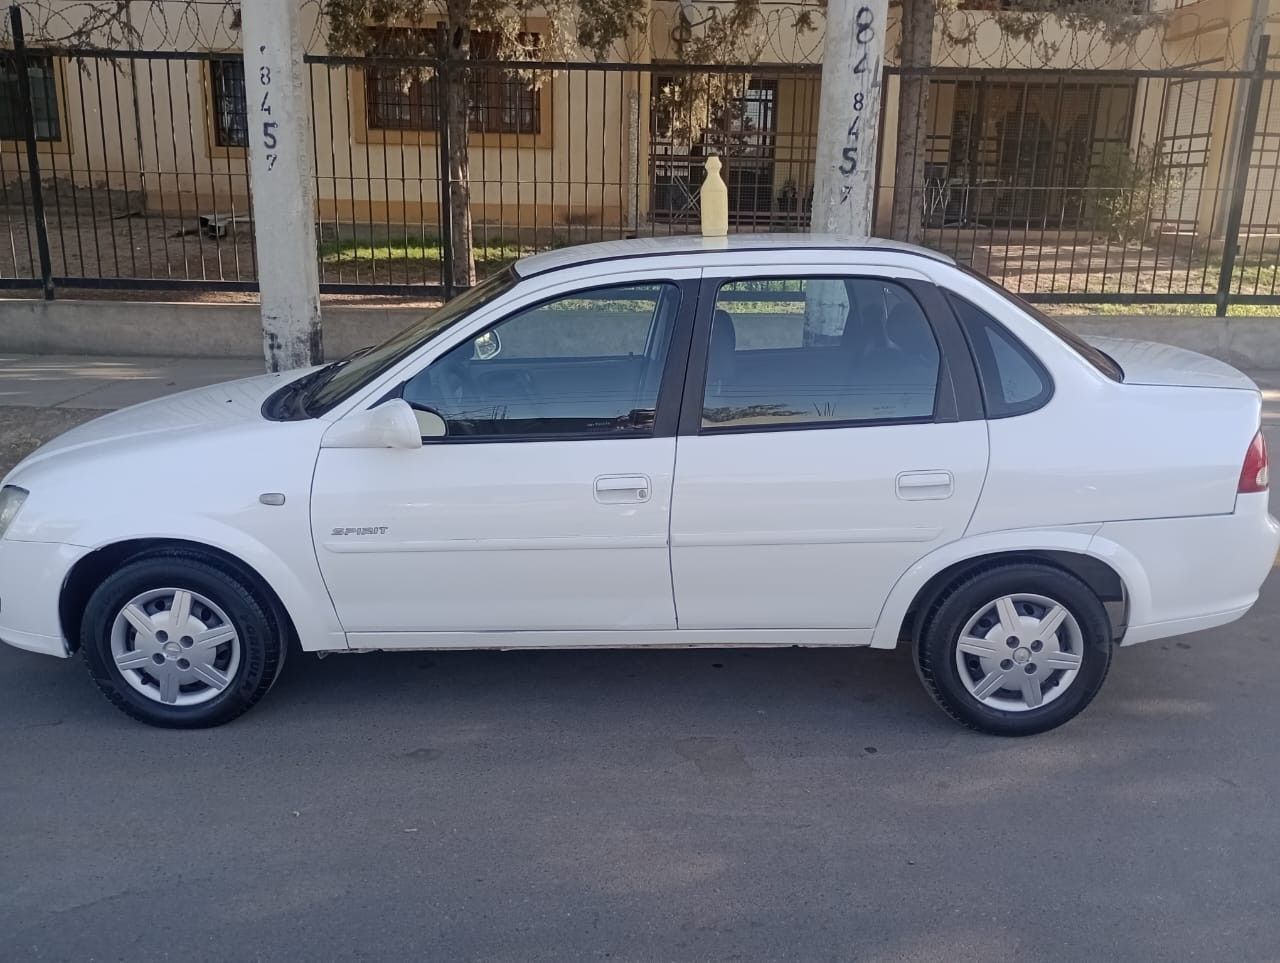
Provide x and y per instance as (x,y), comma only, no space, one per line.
(457,109)
(913,121)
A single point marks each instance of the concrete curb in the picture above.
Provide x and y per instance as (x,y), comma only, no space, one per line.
(177,330)
(185,330)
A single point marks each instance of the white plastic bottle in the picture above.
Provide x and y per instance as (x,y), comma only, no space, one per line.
(714,201)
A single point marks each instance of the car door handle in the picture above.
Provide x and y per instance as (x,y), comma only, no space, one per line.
(620,489)
(925,485)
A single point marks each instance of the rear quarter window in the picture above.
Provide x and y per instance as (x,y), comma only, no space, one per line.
(1013,380)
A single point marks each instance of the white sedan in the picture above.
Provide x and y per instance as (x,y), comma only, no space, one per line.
(753,441)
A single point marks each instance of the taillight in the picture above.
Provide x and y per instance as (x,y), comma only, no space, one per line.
(1254,476)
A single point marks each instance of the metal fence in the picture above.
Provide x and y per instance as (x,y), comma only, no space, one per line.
(127,170)
(1103,186)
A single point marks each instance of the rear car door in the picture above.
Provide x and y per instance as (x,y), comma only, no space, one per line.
(831,435)
(545,507)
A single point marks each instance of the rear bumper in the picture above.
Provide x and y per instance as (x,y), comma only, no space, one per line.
(31,579)
(1189,574)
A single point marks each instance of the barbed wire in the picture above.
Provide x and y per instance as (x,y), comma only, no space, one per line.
(781,33)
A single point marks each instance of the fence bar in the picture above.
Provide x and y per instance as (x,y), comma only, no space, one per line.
(444,80)
(33,152)
(1231,241)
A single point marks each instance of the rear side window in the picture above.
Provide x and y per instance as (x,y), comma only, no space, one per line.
(1013,380)
(808,353)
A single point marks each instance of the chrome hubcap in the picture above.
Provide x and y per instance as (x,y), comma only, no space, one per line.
(1019,652)
(175,646)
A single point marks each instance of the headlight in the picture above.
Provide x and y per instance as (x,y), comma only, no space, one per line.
(11,499)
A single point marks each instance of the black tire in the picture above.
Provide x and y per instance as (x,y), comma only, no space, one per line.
(262,641)
(942,626)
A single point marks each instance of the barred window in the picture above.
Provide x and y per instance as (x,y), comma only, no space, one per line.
(230,114)
(401,98)
(44,99)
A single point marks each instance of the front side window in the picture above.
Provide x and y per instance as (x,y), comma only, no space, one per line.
(230,115)
(818,351)
(44,100)
(582,365)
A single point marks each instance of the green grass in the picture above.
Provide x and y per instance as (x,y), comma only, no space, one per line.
(1164,310)
(1247,280)
(422,250)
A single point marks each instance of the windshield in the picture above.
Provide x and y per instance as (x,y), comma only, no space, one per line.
(1099,359)
(339,381)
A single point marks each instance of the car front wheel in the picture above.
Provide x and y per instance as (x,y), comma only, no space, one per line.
(179,641)
(1015,649)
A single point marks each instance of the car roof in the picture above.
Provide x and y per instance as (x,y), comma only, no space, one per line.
(695,244)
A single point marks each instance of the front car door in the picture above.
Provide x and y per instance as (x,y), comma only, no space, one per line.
(831,436)
(545,506)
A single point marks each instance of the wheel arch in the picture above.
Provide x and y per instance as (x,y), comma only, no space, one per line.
(90,570)
(1110,571)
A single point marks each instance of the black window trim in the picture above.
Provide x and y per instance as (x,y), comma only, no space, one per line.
(667,413)
(957,394)
(1025,408)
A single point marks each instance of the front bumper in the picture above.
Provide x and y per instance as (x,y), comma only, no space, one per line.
(31,578)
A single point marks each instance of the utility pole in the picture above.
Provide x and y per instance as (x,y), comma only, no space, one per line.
(848,145)
(849,117)
(281,171)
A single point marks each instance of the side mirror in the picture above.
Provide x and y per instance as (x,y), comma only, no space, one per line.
(390,425)
(487,345)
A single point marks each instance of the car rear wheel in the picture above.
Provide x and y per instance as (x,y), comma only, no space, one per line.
(178,641)
(1015,649)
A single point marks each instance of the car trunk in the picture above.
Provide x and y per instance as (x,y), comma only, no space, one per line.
(1150,363)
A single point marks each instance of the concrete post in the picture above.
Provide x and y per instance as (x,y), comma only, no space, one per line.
(849,117)
(848,134)
(282,171)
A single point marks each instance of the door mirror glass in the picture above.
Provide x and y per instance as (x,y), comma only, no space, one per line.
(430,424)
(487,345)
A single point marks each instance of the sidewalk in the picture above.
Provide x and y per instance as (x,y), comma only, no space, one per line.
(104,383)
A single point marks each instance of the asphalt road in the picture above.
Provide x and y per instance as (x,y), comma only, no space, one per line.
(679,805)
(664,805)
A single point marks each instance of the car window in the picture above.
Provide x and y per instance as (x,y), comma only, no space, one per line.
(1095,356)
(587,364)
(1013,381)
(818,351)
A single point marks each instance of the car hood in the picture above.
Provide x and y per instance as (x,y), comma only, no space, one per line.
(1151,363)
(199,410)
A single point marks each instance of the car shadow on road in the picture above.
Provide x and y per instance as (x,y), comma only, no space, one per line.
(611,684)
